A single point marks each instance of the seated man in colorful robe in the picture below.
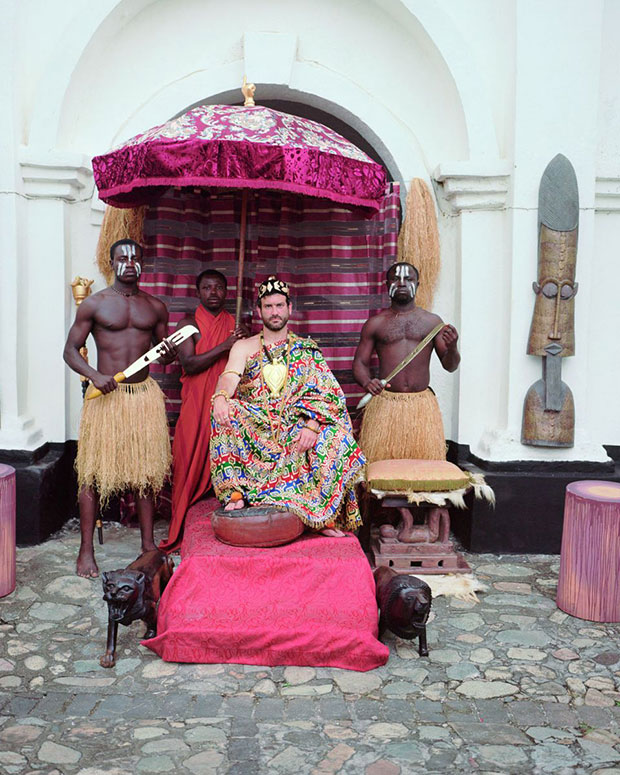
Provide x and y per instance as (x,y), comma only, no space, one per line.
(203,358)
(285,439)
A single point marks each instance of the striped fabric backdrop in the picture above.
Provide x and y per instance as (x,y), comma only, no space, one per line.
(332,257)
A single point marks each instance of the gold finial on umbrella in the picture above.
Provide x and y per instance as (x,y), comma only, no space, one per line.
(248,89)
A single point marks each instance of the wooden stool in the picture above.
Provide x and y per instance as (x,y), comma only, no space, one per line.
(422,489)
(7,529)
(589,582)
(411,548)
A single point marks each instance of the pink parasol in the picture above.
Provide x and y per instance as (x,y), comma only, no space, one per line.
(240,147)
(249,147)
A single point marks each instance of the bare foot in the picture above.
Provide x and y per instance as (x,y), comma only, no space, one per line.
(333,532)
(86,567)
(147,546)
(234,505)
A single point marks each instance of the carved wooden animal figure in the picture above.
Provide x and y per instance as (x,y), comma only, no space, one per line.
(133,593)
(405,603)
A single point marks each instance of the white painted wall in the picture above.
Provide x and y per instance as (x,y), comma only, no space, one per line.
(556,106)
(475,98)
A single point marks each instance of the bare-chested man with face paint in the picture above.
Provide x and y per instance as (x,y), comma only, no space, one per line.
(403,419)
(124,444)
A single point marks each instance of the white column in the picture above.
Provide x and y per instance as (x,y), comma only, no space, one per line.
(475,195)
(17,430)
(604,363)
(50,182)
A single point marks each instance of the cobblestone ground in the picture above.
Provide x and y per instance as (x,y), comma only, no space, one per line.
(512,685)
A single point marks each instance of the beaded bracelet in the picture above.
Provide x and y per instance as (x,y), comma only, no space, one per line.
(222,393)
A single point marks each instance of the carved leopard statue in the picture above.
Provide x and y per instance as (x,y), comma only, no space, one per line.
(133,593)
(405,604)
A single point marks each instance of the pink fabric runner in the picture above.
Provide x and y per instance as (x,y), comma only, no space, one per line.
(311,602)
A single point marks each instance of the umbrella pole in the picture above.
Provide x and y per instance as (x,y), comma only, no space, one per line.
(244,218)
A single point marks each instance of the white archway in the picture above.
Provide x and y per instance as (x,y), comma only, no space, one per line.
(100,25)
(457,54)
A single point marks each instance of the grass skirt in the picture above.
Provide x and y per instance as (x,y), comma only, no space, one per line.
(124,444)
(403,425)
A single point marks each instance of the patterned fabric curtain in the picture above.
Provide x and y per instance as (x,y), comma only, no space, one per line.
(333,258)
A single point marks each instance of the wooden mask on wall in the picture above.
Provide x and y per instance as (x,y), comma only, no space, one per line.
(549,412)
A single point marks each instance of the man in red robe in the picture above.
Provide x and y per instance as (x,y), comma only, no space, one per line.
(203,359)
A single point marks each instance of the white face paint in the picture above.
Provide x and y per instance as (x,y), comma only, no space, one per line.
(403,273)
(129,251)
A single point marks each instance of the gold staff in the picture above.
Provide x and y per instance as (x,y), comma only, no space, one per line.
(80,288)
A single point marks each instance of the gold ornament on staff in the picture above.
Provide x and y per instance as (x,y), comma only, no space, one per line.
(80,288)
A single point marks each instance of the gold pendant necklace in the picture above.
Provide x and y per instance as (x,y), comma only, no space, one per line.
(275,373)
(280,380)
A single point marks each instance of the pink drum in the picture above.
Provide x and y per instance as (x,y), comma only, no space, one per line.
(259,526)
(589,581)
(7,530)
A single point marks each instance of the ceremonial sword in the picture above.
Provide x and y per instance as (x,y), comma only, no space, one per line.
(405,362)
(152,355)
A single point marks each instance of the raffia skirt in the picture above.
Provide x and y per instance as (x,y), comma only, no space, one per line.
(403,425)
(123,443)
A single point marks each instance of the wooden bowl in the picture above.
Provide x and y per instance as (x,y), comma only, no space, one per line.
(259,526)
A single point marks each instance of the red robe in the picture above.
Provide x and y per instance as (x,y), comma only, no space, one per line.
(191,466)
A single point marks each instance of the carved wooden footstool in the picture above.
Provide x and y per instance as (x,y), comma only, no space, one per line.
(420,491)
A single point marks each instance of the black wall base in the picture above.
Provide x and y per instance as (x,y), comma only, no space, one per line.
(527,518)
(529,512)
(46,489)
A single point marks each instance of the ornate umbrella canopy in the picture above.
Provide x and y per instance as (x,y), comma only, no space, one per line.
(240,147)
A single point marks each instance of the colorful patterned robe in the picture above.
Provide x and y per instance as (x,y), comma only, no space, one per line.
(317,485)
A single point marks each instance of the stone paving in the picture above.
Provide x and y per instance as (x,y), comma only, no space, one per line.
(512,685)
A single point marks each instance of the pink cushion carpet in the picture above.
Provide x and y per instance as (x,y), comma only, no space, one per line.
(311,602)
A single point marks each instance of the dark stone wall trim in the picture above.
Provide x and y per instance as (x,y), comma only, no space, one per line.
(46,489)
(460,453)
(527,518)
(613,451)
(529,513)
(22,457)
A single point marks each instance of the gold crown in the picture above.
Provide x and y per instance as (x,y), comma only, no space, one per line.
(272,285)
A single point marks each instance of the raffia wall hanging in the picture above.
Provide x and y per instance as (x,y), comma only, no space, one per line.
(418,241)
(118,223)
